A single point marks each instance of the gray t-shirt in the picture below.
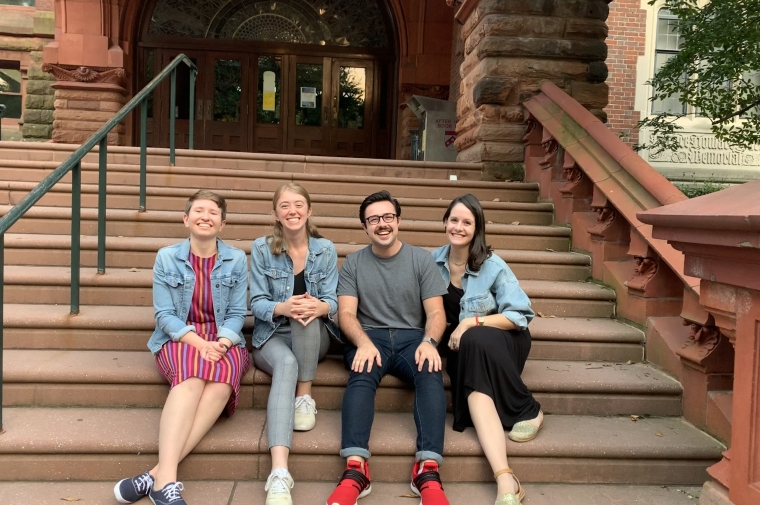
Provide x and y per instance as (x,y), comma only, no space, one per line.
(391,290)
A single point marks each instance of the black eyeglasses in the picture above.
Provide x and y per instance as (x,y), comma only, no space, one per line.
(373,220)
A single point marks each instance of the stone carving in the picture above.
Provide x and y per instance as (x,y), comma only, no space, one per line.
(572,174)
(532,124)
(87,74)
(702,339)
(645,269)
(605,217)
(551,147)
(701,149)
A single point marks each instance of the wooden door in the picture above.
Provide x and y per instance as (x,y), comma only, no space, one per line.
(226,104)
(308,122)
(352,108)
(270,107)
(182,104)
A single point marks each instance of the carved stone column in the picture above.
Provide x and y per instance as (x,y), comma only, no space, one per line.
(575,191)
(85,99)
(509,48)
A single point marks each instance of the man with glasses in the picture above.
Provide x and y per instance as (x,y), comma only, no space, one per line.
(391,313)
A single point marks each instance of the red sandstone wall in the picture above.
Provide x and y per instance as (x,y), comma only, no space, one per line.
(626,41)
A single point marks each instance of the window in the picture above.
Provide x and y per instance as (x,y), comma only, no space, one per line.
(10,88)
(23,3)
(667,45)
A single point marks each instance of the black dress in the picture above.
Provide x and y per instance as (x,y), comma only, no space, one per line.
(489,361)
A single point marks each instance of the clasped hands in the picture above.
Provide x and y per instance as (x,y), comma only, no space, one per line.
(302,308)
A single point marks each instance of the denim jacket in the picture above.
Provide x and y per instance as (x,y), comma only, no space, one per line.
(271,282)
(173,285)
(494,288)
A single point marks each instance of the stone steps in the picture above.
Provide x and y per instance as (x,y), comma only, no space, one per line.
(127,328)
(224,492)
(57,153)
(191,178)
(51,285)
(126,223)
(56,378)
(260,202)
(140,252)
(105,444)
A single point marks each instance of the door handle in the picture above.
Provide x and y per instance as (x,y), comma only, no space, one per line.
(335,116)
(326,114)
(209,104)
(199,111)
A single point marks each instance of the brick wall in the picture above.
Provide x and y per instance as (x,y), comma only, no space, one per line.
(626,40)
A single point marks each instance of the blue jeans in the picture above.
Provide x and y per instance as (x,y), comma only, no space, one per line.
(397,348)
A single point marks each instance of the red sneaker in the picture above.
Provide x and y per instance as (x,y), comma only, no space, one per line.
(353,485)
(426,483)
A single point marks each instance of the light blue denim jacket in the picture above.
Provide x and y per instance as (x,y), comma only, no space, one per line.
(493,289)
(173,284)
(271,282)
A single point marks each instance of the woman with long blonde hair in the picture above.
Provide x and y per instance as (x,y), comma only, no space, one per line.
(293,278)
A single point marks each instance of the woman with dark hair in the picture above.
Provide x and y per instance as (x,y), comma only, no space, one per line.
(294,275)
(488,339)
(199,288)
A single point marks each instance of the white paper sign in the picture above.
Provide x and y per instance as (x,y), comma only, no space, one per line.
(308,98)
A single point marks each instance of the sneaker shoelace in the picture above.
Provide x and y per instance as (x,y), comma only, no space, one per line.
(171,491)
(354,478)
(305,405)
(427,477)
(143,483)
(276,484)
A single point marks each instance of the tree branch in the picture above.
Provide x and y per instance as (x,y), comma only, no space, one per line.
(737,113)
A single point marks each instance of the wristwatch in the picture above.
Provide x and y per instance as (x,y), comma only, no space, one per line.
(430,341)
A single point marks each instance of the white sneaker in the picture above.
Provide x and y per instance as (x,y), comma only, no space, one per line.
(306,413)
(278,487)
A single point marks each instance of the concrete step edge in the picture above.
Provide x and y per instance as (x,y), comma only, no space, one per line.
(153,244)
(129,431)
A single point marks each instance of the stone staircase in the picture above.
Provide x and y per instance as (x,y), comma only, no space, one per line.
(83,396)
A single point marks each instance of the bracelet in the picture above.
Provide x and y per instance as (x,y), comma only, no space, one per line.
(225,346)
(478,322)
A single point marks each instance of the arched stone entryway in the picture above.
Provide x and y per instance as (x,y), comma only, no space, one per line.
(311,77)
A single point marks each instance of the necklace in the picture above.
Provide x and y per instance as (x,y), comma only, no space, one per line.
(457,264)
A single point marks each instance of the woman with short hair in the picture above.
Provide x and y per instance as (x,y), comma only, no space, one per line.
(199,289)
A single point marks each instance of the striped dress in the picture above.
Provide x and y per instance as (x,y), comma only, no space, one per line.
(177,361)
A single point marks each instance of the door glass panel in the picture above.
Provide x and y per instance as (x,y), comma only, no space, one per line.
(352,97)
(268,99)
(227,90)
(182,103)
(308,94)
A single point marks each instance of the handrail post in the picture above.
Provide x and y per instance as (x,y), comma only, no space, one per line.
(102,179)
(172,115)
(143,153)
(76,215)
(2,322)
(191,139)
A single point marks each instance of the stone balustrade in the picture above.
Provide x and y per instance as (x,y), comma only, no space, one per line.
(600,187)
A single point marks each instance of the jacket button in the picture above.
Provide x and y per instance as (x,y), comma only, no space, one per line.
(217,285)
(217,311)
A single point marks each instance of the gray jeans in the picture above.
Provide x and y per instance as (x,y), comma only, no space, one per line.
(291,354)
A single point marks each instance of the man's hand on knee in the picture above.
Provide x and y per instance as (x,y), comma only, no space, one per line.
(428,352)
(366,353)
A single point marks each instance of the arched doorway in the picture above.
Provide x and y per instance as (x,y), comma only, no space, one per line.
(310,77)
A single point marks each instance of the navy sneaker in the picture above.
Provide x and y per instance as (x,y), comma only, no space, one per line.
(168,495)
(132,490)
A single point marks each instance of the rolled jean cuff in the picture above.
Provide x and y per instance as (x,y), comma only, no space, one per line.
(355,451)
(424,456)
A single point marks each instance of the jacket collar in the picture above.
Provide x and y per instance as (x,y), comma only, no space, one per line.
(222,250)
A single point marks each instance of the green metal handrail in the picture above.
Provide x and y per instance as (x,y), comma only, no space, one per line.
(74,165)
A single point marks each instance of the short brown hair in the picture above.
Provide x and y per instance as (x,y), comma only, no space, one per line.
(205,194)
